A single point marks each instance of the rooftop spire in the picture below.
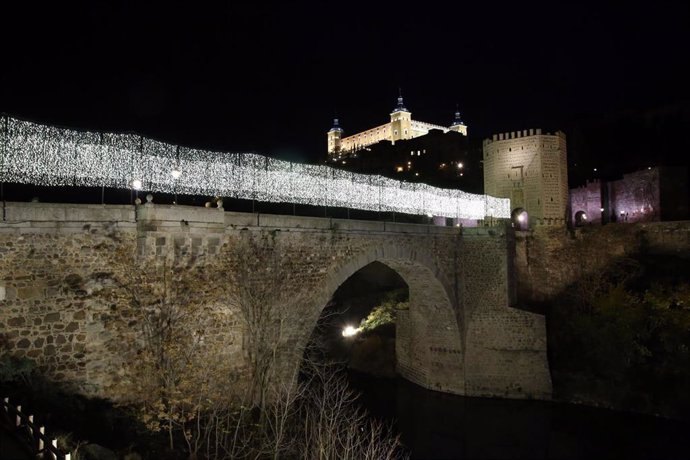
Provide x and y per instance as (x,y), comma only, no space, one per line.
(336,126)
(401,106)
(457,120)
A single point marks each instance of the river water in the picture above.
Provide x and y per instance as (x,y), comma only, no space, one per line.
(439,426)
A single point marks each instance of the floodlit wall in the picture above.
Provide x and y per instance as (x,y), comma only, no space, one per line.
(651,194)
(529,168)
(636,197)
(586,199)
(401,126)
(368,137)
(67,271)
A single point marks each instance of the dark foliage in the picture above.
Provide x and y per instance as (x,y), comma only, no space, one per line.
(626,344)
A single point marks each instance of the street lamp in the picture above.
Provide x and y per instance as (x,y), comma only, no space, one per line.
(349,331)
(176,174)
(136,186)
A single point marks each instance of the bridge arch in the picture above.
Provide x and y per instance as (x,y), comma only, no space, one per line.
(429,350)
(580,218)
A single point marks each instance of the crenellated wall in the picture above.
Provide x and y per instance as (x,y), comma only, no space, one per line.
(652,194)
(67,273)
(586,201)
(531,169)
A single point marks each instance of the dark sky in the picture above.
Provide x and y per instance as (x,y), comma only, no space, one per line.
(269,77)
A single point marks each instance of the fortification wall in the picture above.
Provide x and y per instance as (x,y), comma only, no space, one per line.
(540,253)
(587,199)
(636,197)
(530,168)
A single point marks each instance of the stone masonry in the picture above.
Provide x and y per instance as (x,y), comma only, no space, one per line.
(64,268)
(531,169)
(542,276)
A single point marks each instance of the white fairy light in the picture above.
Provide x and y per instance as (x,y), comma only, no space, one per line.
(44,155)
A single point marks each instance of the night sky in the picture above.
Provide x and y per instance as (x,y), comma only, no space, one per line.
(268,78)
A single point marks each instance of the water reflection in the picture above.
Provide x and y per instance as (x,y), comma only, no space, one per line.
(439,426)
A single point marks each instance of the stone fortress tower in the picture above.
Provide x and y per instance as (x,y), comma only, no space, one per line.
(531,169)
(400,127)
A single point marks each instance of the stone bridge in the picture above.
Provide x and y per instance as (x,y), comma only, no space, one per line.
(460,334)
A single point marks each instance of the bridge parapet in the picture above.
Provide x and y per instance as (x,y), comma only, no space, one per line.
(235,220)
(25,215)
(60,212)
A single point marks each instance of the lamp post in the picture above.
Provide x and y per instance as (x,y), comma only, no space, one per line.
(136,186)
(175,173)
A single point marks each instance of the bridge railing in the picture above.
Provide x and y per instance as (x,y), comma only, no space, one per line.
(42,446)
(32,153)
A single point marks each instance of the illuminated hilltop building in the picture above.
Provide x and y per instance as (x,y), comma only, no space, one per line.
(401,127)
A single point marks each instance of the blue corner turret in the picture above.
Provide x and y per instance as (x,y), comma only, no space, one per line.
(400,107)
(336,126)
(457,121)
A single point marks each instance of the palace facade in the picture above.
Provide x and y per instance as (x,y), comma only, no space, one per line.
(400,127)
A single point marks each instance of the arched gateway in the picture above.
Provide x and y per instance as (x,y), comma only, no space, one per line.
(459,335)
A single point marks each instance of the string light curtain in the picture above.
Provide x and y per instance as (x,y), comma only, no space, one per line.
(39,154)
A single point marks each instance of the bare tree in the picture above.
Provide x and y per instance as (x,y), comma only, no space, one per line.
(335,426)
(317,417)
(176,373)
(266,294)
(174,370)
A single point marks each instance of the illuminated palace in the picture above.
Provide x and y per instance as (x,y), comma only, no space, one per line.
(401,127)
